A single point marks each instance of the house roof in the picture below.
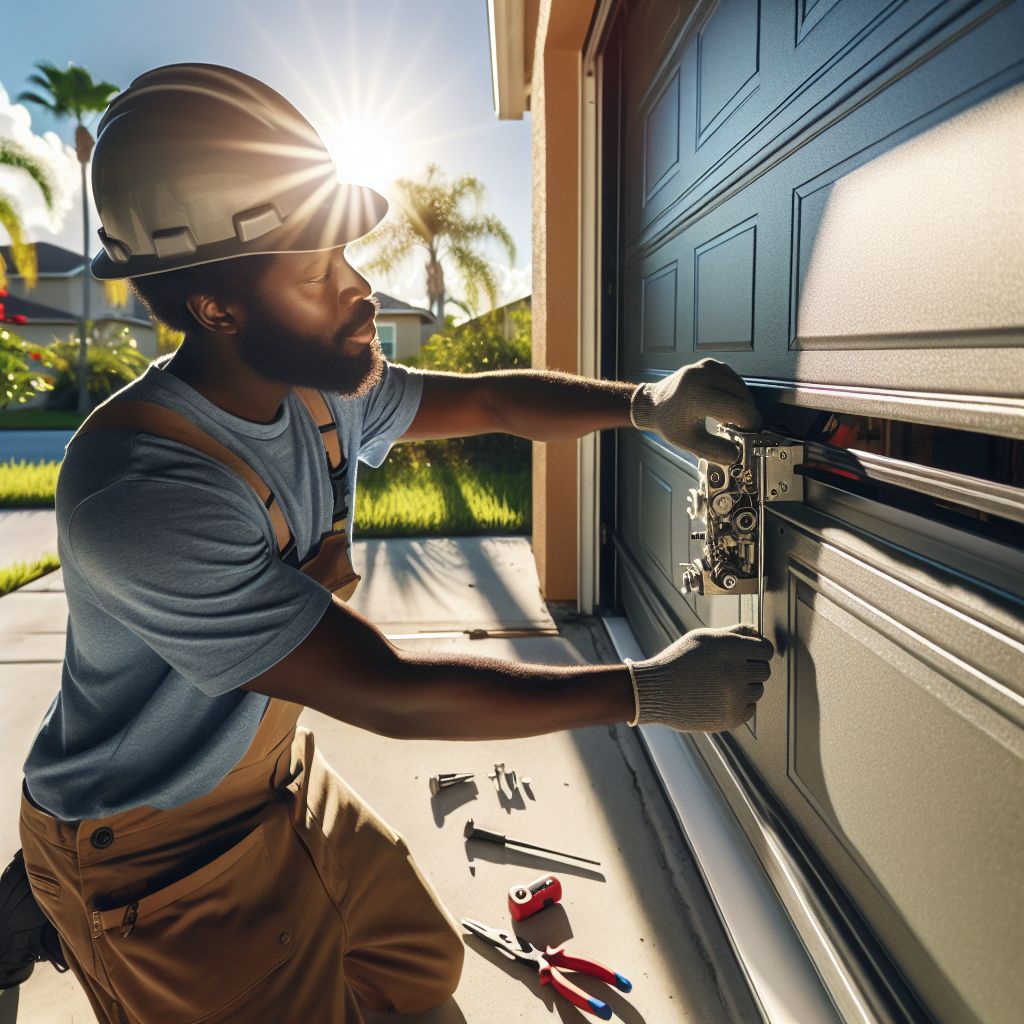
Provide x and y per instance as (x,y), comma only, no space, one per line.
(36,311)
(391,306)
(53,260)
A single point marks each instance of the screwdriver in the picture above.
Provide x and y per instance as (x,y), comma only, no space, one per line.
(472,832)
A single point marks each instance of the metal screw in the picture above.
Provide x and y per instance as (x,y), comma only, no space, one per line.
(513,782)
(783,486)
(783,456)
(441,781)
(774,493)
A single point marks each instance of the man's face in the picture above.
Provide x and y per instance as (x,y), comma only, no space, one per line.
(309,323)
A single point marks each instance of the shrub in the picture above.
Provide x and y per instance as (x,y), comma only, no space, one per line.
(499,340)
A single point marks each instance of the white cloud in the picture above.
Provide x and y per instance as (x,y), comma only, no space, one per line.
(63,225)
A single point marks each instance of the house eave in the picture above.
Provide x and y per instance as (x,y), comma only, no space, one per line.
(507,26)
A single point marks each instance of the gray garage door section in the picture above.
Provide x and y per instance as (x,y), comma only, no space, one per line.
(827,195)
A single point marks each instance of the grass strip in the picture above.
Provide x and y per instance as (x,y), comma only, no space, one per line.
(26,484)
(20,573)
(442,500)
(393,501)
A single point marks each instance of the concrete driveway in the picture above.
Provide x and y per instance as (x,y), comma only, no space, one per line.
(644,911)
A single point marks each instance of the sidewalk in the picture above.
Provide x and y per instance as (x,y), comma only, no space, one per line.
(644,911)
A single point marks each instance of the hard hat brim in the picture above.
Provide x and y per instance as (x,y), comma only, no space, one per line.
(347,213)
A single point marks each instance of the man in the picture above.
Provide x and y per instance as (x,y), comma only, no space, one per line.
(196,854)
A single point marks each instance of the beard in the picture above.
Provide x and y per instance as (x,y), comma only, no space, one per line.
(277,352)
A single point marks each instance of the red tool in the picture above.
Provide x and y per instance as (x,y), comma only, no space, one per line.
(526,900)
(548,963)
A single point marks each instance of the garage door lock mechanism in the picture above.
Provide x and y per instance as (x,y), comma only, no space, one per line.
(730,500)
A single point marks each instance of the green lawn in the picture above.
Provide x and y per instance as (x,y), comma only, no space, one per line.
(441,500)
(20,573)
(392,501)
(39,419)
(27,484)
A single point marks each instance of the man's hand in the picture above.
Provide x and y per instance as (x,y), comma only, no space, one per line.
(707,681)
(676,408)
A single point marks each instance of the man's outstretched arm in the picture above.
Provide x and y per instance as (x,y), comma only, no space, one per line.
(542,405)
(346,668)
(545,405)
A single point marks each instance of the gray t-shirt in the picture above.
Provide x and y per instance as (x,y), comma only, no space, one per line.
(177,594)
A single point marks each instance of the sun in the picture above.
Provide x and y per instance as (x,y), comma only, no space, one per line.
(366,153)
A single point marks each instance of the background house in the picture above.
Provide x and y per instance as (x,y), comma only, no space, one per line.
(402,328)
(54,304)
(826,196)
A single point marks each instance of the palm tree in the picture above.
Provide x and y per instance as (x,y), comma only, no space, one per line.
(73,93)
(23,252)
(429,215)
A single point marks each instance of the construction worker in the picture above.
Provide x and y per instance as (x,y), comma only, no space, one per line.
(184,836)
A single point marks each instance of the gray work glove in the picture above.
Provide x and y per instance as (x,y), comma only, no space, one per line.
(676,408)
(707,681)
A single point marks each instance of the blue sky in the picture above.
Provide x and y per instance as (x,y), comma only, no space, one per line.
(412,75)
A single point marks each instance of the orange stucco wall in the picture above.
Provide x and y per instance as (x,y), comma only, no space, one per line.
(555,112)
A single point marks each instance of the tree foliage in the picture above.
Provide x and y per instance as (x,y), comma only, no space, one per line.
(444,222)
(23,252)
(113,359)
(498,340)
(22,376)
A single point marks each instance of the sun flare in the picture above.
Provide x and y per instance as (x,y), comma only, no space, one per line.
(366,153)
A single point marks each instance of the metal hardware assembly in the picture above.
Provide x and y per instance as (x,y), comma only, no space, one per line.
(444,779)
(730,501)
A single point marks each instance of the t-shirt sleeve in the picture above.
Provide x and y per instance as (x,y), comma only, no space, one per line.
(389,410)
(195,578)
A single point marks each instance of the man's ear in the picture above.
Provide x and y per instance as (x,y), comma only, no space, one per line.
(212,315)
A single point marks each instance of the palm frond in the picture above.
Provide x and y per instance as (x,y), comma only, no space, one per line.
(23,252)
(116,292)
(31,97)
(12,155)
(476,274)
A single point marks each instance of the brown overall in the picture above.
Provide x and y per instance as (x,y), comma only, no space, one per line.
(279,896)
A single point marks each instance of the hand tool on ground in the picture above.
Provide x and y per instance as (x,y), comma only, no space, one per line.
(526,900)
(472,832)
(445,779)
(548,963)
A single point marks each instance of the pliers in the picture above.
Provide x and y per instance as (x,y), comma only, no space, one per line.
(548,963)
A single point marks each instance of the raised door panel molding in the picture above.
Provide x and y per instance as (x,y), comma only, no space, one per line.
(724,290)
(918,244)
(654,529)
(892,731)
(728,60)
(654,519)
(658,300)
(661,140)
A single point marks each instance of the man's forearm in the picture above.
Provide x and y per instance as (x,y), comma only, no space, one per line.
(546,405)
(474,698)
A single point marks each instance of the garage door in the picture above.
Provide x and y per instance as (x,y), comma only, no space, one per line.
(827,194)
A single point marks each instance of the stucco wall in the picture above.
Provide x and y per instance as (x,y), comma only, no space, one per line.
(555,112)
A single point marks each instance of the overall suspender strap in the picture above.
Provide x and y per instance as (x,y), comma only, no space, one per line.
(324,419)
(153,418)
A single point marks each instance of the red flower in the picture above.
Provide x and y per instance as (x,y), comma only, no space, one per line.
(19,318)
(3,293)
(35,355)
(3,312)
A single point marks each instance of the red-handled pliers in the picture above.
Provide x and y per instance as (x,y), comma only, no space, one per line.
(548,963)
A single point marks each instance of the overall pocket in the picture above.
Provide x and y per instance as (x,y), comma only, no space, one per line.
(188,949)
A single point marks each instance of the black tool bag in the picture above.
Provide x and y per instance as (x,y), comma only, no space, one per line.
(26,935)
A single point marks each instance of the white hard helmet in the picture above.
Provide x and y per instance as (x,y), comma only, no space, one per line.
(197,162)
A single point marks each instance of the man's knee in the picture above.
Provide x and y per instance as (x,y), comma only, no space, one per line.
(438,983)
